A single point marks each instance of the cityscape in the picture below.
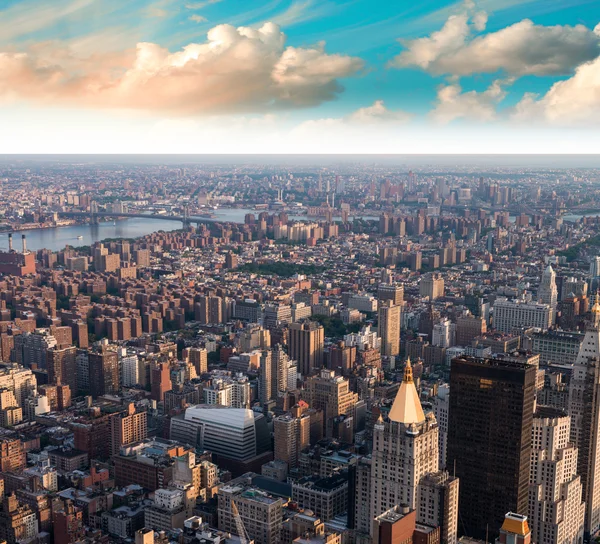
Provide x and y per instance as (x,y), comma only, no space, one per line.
(328,352)
(299,272)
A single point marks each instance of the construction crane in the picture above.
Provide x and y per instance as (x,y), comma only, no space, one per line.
(242,533)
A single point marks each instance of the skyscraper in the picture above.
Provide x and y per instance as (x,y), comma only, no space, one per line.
(292,435)
(161,381)
(388,328)
(62,367)
(306,346)
(405,449)
(331,394)
(267,384)
(489,439)
(584,409)
(595,267)
(104,375)
(127,427)
(556,508)
(547,292)
(438,504)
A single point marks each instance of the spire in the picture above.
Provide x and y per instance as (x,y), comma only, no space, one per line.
(407,407)
(408,374)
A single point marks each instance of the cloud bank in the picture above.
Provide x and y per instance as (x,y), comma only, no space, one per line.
(523,48)
(235,70)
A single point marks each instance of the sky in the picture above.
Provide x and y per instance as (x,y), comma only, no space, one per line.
(300,76)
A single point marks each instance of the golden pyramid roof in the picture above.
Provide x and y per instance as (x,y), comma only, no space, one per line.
(407,407)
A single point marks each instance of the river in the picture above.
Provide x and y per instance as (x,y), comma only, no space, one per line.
(57,238)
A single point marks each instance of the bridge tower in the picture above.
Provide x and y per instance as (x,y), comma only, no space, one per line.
(186,218)
(94,212)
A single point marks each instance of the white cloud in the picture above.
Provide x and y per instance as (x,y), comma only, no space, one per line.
(453,104)
(519,49)
(573,101)
(378,113)
(197,18)
(236,70)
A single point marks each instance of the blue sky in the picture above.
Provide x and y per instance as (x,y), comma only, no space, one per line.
(299,76)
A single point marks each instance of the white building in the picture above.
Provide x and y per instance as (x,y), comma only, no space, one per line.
(547,292)
(441,407)
(510,314)
(235,433)
(444,334)
(129,364)
(556,508)
(405,449)
(363,303)
(168,498)
(20,381)
(365,339)
(584,410)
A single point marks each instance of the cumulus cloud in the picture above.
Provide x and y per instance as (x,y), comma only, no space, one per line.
(453,104)
(519,49)
(236,70)
(572,101)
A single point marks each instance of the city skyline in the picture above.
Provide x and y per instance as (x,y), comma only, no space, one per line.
(299,76)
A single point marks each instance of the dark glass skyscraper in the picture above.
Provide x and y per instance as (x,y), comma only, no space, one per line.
(489,440)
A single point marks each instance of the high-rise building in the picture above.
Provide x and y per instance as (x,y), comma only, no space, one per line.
(469,327)
(547,292)
(557,346)
(31,348)
(68,524)
(438,504)
(443,334)
(12,454)
(292,435)
(556,507)
(517,314)
(306,346)
(232,433)
(268,386)
(431,286)
(104,375)
(405,449)
(283,371)
(160,381)
(129,363)
(393,292)
(20,381)
(489,439)
(128,427)
(584,409)
(198,357)
(62,367)
(261,513)
(388,328)
(18,523)
(441,407)
(331,394)
(595,266)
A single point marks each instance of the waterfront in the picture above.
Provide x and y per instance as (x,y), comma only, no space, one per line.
(59,237)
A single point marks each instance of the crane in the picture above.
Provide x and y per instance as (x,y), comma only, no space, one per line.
(242,533)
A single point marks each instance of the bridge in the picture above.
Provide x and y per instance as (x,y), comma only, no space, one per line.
(185,219)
